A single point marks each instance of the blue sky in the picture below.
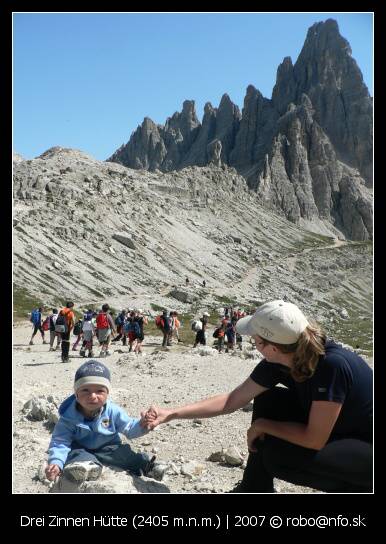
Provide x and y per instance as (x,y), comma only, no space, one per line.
(87,80)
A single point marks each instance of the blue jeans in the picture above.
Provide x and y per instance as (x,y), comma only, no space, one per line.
(118,455)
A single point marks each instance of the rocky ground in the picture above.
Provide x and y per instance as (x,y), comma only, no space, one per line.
(169,377)
(98,232)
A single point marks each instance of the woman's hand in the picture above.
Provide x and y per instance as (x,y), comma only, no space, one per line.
(52,472)
(254,432)
(154,416)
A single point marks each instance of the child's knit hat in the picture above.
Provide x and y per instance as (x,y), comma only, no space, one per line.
(92,372)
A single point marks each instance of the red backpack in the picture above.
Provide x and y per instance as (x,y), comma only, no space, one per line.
(102,321)
(46,324)
(159,321)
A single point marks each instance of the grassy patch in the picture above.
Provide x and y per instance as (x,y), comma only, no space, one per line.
(23,302)
(226,300)
(157,308)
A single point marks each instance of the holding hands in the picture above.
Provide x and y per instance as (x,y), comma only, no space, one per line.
(154,416)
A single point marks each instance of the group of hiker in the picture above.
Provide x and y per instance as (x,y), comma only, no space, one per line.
(128,326)
(224,332)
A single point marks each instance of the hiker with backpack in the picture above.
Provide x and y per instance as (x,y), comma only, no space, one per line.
(119,322)
(88,329)
(317,431)
(105,326)
(132,330)
(141,320)
(201,332)
(64,324)
(219,333)
(53,334)
(36,320)
(77,332)
(164,323)
(230,332)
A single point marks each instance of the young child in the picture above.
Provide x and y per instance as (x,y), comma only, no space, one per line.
(86,436)
(88,330)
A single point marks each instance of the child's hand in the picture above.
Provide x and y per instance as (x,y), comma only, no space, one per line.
(154,416)
(52,472)
(147,417)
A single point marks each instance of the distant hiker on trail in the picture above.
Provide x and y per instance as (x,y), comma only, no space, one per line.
(120,321)
(226,313)
(53,333)
(317,430)
(132,330)
(36,320)
(201,333)
(87,435)
(64,325)
(141,320)
(230,332)
(164,323)
(88,329)
(78,333)
(105,326)
(175,327)
(219,333)
(187,281)
(204,283)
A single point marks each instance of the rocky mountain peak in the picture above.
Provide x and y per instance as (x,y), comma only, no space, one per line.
(319,117)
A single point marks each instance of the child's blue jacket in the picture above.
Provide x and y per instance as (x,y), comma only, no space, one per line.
(74,430)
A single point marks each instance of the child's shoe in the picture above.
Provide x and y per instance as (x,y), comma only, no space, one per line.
(155,469)
(82,353)
(82,471)
(91,354)
(31,343)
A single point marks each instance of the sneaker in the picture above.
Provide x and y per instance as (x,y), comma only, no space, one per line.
(102,354)
(51,349)
(31,343)
(45,342)
(107,353)
(91,354)
(155,469)
(82,353)
(65,360)
(74,349)
(82,471)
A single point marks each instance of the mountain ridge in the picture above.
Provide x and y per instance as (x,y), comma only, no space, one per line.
(330,109)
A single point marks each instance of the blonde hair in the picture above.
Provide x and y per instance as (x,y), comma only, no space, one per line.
(307,350)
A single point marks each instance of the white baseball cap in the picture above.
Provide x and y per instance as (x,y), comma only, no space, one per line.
(206,313)
(277,321)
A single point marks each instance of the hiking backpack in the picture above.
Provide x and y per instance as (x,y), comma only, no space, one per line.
(35,317)
(102,321)
(196,326)
(133,327)
(61,323)
(119,320)
(46,324)
(159,322)
(78,328)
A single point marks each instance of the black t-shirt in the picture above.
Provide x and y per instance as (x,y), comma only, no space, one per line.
(340,376)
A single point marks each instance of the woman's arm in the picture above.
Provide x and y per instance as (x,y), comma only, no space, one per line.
(211,407)
(313,435)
